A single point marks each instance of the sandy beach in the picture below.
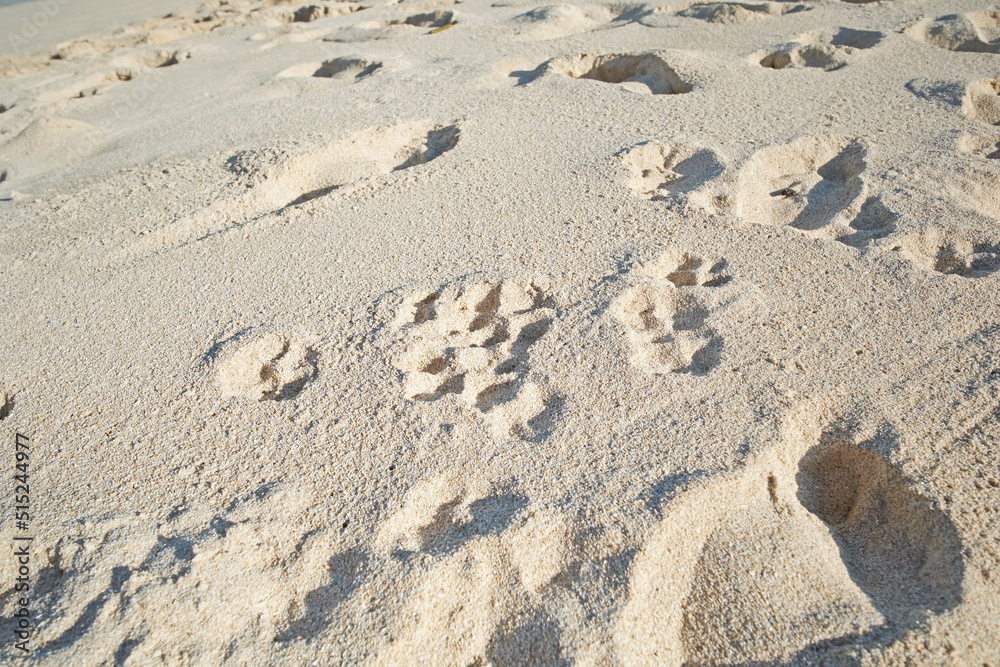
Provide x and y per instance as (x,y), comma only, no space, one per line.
(490,332)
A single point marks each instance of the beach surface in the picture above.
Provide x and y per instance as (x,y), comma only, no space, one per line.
(500,333)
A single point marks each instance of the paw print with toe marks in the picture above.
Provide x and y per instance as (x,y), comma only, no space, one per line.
(665,314)
(474,342)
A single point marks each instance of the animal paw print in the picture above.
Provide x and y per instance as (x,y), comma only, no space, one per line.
(666,314)
(982,101)
(659,171)
(271,367)
(474,343)
(952,255)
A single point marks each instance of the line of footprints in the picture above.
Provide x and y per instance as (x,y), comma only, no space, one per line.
(472,341)
(482,568)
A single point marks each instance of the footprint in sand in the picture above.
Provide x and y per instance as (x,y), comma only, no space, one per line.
(976,32)
(723,13)
(826,51)
(641,72)
(295,25)
(874,221)
(46,144)
(442,515)
(270,181)
(310,13)
(554,21)
(344,69)
(473,342)
(160,30)
(367,31)
(968,246)
(982,101)
(973,143)
(666,313)
(818,546)
(476,563)
(128,68)
(657,170)
(270,367)
(96,80)
(812,184)
(199,559)
(952,254)
(280,17)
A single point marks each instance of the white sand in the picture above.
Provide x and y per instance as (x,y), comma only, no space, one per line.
(595,334)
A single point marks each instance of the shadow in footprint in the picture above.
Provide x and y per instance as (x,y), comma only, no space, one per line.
(947,93)
(695,171)
(665,490)
(524,77)
(346,67)
(874,221)
(435,19)
(119,577)
(857,39)
(839,187)
(346,574)
(486,516)
(541,426)
(436,142)
(982,261)
(899,549)
(6,404)
(125,649)
(648,69)
(532,642)
(707,358)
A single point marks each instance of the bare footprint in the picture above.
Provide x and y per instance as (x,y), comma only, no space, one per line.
(659,171)
(803,550)
(346,68)
(366,31)
(666,314)
(976,32)
(199,558)
(273,181)
(812,184)
(474,342)
(270,367)
(554,21)
(819,49)
(295,25)
(642,72)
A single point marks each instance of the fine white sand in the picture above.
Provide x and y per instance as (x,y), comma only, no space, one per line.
(495,333)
